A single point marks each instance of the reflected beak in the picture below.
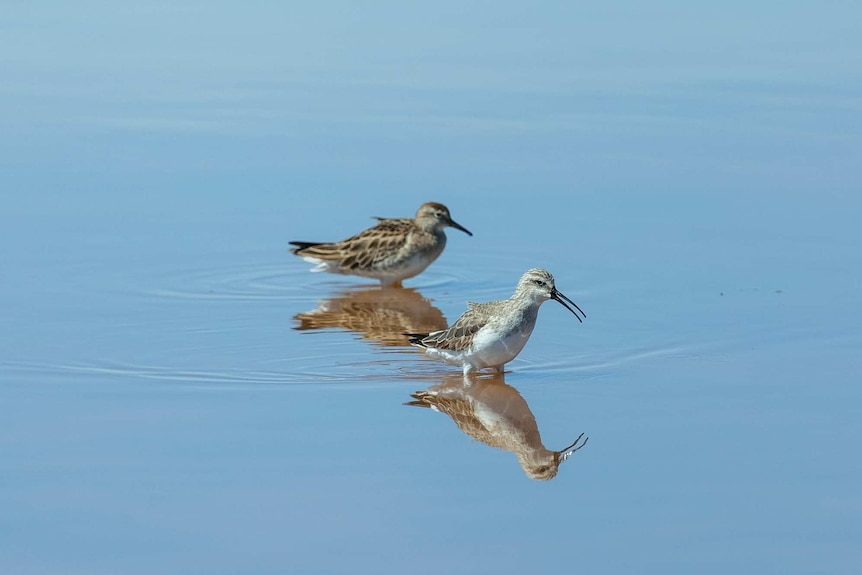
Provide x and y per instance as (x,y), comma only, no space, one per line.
(458,226)
(566,452)
(558,296)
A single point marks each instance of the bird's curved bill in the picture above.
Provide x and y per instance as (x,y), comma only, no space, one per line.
(558,296)
(458,226)
(566,452)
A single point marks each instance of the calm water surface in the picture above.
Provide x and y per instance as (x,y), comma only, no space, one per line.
(180,395)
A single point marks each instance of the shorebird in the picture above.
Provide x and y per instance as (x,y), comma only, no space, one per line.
(393,250)
(489,335)
(488,409)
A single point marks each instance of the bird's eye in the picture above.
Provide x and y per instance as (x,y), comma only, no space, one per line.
(539,282)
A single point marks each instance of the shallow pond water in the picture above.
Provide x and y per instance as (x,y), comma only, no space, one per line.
(181,395)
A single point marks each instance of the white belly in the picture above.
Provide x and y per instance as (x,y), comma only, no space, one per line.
(491,350)
(410,267)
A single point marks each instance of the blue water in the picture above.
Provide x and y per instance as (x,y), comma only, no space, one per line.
(180,395)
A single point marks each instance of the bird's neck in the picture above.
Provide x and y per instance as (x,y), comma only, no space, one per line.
(525,307)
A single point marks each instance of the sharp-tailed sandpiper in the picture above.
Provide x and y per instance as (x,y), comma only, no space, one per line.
(391,251)
(490,335)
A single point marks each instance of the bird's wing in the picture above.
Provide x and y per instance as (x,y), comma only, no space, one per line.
(459,336)
(364,249)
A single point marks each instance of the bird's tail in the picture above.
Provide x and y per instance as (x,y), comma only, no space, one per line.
(423,399)
(302,246)
(416,338)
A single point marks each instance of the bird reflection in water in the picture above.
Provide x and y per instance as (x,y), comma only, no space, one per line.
(380,314)
(493,412)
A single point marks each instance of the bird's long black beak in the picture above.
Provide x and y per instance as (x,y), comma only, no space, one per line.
(458,226)
(556,295)
(566,452)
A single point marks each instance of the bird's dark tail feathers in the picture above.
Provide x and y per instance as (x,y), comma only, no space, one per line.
(422,399)
(416,338)
(303,245)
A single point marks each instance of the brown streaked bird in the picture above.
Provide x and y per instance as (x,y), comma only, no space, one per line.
(393,250)
(490,335)
(379,314)
(489,410)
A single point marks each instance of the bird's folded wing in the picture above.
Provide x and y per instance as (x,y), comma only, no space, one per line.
(459,336)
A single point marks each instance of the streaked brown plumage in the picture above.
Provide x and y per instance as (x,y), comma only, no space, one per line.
(393,250)
(379,314)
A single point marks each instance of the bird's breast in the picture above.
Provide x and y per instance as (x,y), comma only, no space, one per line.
(493,347)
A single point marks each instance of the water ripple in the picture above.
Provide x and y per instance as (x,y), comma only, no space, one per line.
(283,281)
(247,282)
(348,369)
